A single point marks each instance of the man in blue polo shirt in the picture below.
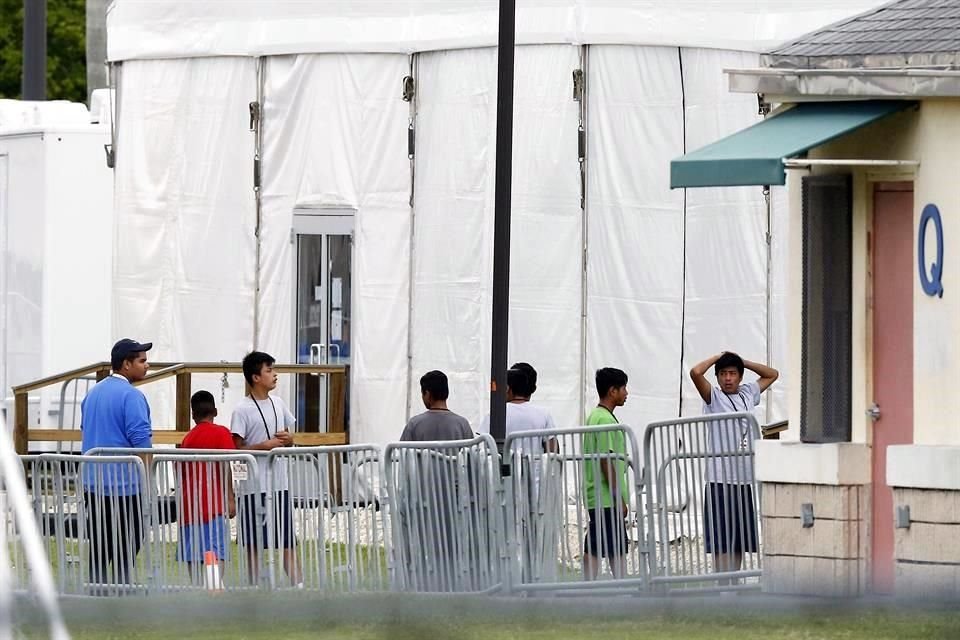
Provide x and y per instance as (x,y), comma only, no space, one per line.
(115,414)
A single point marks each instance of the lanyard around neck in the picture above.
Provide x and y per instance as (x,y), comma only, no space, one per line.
(744,430)
(276,418)
(734,404)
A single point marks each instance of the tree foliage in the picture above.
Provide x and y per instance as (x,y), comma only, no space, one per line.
(66,49)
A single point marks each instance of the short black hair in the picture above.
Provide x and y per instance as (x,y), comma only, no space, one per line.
(522,379)
(436,383)
(254,362)
(202,404)
(609,378)
(728,359)
(116,362)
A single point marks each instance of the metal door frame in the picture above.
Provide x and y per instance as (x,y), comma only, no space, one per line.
(323,221)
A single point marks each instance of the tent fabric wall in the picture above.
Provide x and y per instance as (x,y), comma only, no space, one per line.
(335,133)
(546,249)
(453,207)
(725,241)
(186,28)
(183,247)
(727,288)
(453,224)
(634,243)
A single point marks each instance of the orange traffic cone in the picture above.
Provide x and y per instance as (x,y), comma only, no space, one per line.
(211,568)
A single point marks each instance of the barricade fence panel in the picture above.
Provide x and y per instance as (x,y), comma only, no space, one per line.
(330,530)
(192,528)
(90,512)
(445,515)
(574,509)
(304,517)
(704,502)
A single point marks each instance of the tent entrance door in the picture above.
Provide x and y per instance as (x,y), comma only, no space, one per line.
(323,253)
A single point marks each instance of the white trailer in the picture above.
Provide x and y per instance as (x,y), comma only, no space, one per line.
(56,245)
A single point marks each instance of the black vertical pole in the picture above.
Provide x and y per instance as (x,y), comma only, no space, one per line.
(501,221)
(34,81)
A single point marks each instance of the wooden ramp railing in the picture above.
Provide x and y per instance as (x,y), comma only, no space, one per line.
(308,434)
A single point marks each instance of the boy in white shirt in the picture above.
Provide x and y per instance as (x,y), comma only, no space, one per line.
(261,422)
(523,415)
(730,521)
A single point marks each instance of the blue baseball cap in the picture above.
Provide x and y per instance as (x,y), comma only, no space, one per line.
(126,347)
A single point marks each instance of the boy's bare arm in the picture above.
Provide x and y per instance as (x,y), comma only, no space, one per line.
(704,388)
(610,474)
(231,496)
(768,375)
(552,445)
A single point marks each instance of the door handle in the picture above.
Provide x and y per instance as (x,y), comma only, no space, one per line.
(874,412)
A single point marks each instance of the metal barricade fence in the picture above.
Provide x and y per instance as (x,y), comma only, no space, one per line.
(90,511)
(68,410)
(445,515)
(704,502)
(330,528)
(322,503)
(574,508)
(164,498)
(424,516)
(191,528)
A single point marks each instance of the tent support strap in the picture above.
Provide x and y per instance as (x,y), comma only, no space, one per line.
(584,227)
(256,125)
(411,147)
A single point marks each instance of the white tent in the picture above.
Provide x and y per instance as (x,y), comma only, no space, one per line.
(642,278)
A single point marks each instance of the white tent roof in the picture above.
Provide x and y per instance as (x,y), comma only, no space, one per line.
(144,29)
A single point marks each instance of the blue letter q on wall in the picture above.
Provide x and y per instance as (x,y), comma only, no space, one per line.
(932,279)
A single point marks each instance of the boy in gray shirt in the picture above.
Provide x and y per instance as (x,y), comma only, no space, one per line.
(262,422)
(437,422)
(428,512)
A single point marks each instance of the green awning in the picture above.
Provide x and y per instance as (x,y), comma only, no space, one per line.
(755,155)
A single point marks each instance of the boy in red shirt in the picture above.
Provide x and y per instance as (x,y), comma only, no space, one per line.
(204,487)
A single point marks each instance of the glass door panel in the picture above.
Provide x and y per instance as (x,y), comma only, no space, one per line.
(324,264)
(340,263)
(310,331)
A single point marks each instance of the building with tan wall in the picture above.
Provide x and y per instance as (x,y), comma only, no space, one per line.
(863,493)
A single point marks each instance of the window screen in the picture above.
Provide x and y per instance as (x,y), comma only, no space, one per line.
(827,322)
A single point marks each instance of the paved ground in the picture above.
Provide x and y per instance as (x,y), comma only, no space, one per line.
(399,616)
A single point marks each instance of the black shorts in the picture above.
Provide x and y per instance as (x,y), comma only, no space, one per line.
(606,533)
(729,518)
(253,521)
(114,529)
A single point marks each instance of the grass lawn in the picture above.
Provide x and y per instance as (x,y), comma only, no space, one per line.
(324,564)
(401,616)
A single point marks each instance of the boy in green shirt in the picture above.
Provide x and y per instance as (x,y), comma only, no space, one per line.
(605,484)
